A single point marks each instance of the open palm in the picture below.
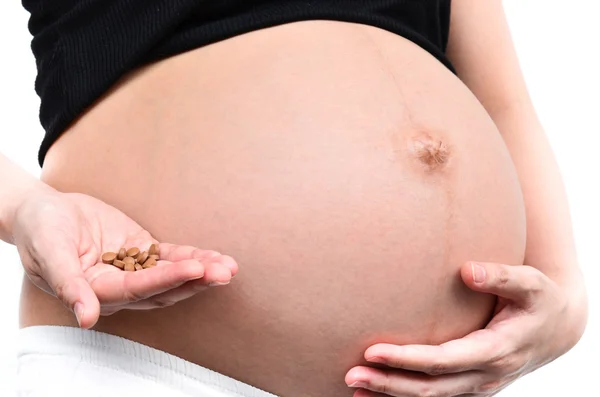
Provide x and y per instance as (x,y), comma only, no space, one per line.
(61,237)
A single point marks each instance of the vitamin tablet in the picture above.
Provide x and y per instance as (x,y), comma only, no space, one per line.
(119,264)
(153,249)
(129,260)
(109,257)
(133,251)
(149,263)
(141,258)
(132,259)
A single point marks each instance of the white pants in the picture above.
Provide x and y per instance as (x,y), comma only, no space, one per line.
(71,362)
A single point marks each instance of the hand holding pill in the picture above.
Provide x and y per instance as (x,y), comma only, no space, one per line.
(98,261)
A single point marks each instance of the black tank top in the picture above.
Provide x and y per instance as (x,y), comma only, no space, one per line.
(82,47)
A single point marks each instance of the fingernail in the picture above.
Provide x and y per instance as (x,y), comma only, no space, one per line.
(377,360)
(79,311)
(478,273)
(228,263)
(358,384)
(217,283)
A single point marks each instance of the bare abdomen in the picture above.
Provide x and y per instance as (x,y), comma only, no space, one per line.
(348,172)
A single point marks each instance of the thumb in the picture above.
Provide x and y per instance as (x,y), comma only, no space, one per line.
(61,269)
(516,283)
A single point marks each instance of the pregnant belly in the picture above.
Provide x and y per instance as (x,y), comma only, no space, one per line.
(348,172)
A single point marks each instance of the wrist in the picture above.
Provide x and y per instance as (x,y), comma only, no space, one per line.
(15,187)
(576,309)
(10,205)
(578,306)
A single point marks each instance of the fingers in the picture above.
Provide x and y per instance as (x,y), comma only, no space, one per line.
(61,269)
(171,297)
(472,352)
(520,284)
(213,276)
(175,253)
(405,384)
(120,288)
(367,393)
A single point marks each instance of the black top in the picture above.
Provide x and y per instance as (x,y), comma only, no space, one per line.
(82,47)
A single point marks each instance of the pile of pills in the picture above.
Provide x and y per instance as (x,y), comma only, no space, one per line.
(132,259)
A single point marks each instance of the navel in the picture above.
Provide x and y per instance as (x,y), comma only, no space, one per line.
(430,151)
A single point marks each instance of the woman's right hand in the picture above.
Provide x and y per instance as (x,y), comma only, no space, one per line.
(61,237)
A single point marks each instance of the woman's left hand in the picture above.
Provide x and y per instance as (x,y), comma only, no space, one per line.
(535,322)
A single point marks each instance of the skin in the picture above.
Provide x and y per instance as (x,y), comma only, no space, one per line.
(73,230)
(364,195)
(525,290)
(542,312)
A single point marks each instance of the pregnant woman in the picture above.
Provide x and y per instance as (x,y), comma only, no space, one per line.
(364,175)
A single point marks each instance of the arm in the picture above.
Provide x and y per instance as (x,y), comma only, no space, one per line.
(482,51)
(542,306)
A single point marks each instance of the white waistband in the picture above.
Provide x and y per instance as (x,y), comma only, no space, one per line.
(69,361)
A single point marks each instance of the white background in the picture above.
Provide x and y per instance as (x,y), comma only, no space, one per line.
(558,44)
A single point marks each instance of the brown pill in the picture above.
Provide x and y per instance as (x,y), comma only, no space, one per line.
(133,251)
(109,257)
(138,267)
(153,249)
(129,260)
(129,267)
(122,254)
(155,257)
(149,263)
(142,257)
(119,264)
